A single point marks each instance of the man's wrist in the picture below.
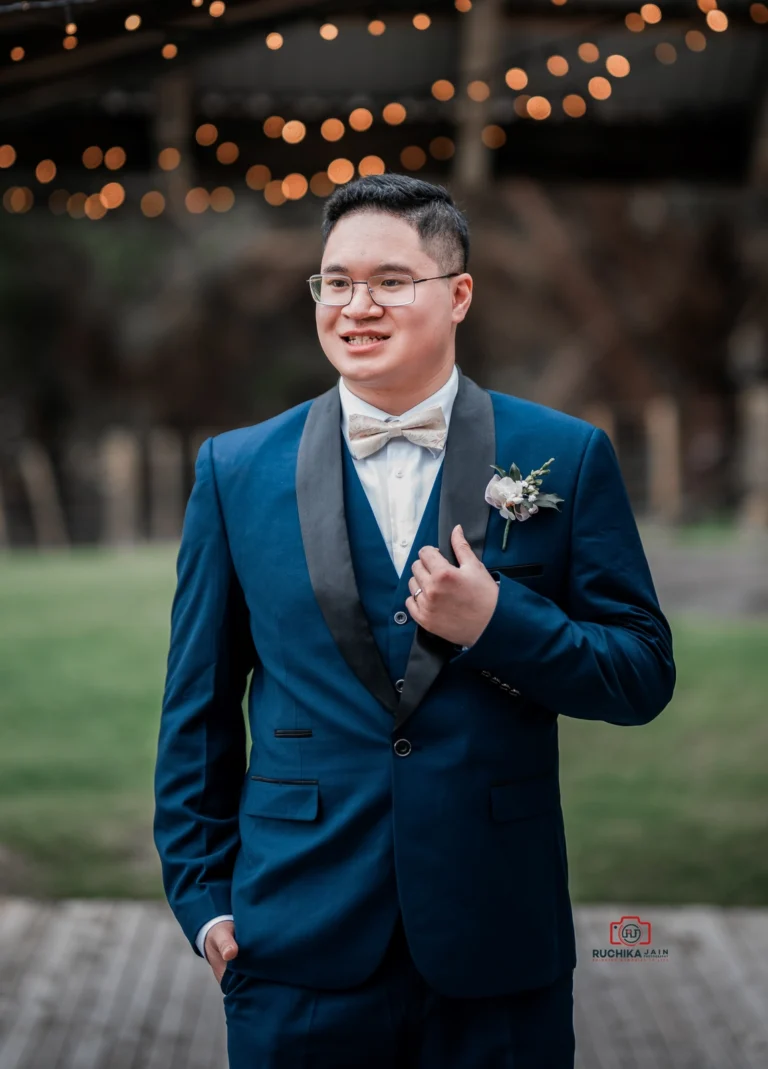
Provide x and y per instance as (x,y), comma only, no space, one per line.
(200,937)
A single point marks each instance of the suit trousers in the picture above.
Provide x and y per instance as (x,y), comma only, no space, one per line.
(394,1020)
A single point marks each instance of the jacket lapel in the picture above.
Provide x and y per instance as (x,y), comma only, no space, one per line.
(470,451)
(320,499)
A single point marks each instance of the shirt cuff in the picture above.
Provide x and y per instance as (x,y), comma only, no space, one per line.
(200,937)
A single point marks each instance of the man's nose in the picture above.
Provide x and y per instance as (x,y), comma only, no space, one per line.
(362,304)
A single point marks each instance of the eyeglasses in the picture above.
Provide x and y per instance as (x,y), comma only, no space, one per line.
(386,290)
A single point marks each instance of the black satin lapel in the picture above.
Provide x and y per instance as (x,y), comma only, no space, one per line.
(320,498)
(470,451)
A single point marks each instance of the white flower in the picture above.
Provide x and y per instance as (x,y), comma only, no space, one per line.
(519,498)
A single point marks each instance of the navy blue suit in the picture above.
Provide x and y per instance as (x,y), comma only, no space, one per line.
(393,779)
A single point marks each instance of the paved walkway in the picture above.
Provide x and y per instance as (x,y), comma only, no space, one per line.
(114,985)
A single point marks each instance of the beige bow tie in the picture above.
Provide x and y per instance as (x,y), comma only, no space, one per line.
(367,434)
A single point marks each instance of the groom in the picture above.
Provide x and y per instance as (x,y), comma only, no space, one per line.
(381,880)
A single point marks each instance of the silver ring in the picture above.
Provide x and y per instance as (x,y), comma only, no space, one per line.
(416,593)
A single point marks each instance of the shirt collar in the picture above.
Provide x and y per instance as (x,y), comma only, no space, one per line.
(444,397)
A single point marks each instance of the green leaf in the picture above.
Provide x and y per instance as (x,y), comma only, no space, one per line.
(501,471)
(515,473)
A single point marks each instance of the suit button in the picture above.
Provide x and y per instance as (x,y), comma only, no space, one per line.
(401,617)
(486,673)
(402,747)
(496,680)
(505,686)
(514,693)
(400,683)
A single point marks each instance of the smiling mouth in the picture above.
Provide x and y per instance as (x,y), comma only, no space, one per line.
(355,340)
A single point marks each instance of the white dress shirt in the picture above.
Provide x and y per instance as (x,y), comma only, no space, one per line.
(397,480)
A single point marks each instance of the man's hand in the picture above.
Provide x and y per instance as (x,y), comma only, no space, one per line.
(220,947)
(456,603)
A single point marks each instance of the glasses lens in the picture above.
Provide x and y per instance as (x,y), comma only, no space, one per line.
(392,289)
(331,289)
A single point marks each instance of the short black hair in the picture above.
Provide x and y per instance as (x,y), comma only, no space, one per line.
(429,208)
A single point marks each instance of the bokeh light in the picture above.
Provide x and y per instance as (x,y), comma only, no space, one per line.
(153,204)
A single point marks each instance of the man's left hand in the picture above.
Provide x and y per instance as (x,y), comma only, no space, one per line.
(455,603)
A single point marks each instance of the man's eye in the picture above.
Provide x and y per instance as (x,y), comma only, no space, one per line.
(337,283)
(391,283)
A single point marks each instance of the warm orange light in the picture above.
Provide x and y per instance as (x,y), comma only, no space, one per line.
(493,136)
(93,157)
(706,5)
(413,158)
(18,199)
(463,6)
(341,171)
(69,43)
(422,22)
(559,3)
(332,130)
(361,119)
(574,106)
(274,41)
(393,114)
(321,185)
(442,89)
(759,13)
(634,22)
(169,159)
(258,176)
(273,193)
(114,158)
(516,78)
(294,131)
(376,28)
(71,27)
(206,134)
(217,9)
(94,207)
(617,65)
(651,13)
(45,171)
(197,3)
(665,53)
(133,22)
(371,165)
(558,66)
(227,152)
(588,52)
(442,148)
(328,32)
(76,205)
(521,105)
(17,54)
(7,156)
(695,40)
(295,186)
(478,91)
(170,51)
(273,126)
(112,195)
(153,204)
(197,200)
(600,88)
(539,108)
(222,199)
(717,21)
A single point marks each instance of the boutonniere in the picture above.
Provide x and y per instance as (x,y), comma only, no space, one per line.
(517,498)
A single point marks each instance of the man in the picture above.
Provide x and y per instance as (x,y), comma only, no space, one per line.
(382,882)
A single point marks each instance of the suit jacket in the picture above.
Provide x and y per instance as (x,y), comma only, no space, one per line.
(390,770)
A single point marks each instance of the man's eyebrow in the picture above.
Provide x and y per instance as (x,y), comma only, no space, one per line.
(342,269)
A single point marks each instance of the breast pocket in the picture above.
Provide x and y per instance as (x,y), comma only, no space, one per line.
(282,799)
(518,571)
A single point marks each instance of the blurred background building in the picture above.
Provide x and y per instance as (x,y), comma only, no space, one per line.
(162,172)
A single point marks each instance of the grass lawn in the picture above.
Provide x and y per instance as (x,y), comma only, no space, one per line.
(676,811)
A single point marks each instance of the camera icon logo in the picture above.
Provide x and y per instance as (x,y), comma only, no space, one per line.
(630,932)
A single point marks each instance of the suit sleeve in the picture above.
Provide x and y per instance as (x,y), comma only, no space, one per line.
(609,656)
(201,748)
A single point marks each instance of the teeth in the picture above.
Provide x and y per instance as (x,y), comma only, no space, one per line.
(364,339)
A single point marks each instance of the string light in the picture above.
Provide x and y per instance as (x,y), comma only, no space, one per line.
(94,207)
(222,199)
(17,54)
(539,107)
(376,28)
(361,119)
(422,22)
(295,186)
(706,5)
(45,171)
(717,21)
(588,53)
(341,171)
(133,22)
(329,32)
(493,136)
(273,126)
(332,130)
(413,158)
(634,22)
(321,185)
(617,65)
(206,134)
(69,43)
(516,78)
(227,152)
(197,200)
(273,193)
(600,88)
(169,159)
(557,66)
(393,114)
(759,13)
(71,27)
(114,158)
(197,3)
(695,40)
(294,131)
(574,105)
(442,148)
(76,205)
(258,176)
(112,195)
(463,6)
(478,91)
(153,202)
(371,165)
(7,156)
(651,13)
(216,10)
(274,41)
(442,89)
(665,53)
(92,157)
(170,51)
(521,105)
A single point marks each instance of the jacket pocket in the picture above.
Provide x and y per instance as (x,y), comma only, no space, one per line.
(519,571)
(282,799)
(293,733)
(525,797)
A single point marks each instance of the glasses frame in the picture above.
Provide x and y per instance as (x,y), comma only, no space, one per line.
(366,282)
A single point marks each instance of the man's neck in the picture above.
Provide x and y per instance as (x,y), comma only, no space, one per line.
(397,400)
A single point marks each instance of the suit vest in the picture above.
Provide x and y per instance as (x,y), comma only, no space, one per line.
(382,591)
